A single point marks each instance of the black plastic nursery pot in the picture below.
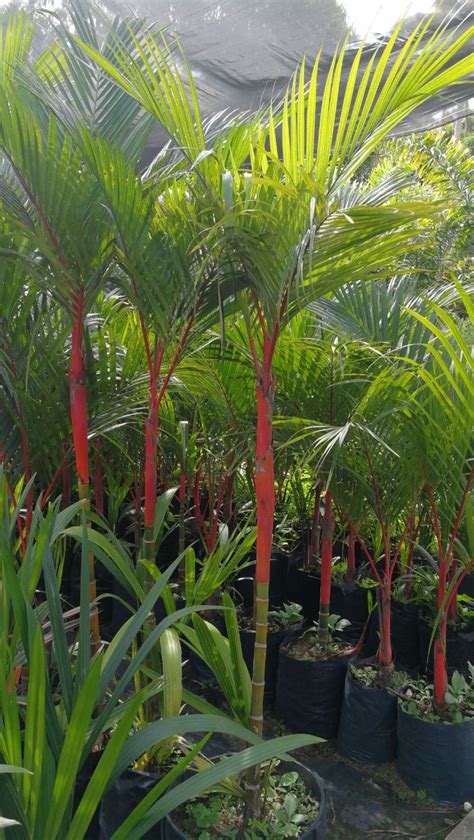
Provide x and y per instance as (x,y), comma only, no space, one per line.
(244,588)
(405,643)
(437,757)
(121,799)
(82,780)
(274,640)
(168,551)
(467,585)
(316,831)
(309,693)
(404,636)
(350,602)
(368,724)
(303,588)
(244,584)
(459,648)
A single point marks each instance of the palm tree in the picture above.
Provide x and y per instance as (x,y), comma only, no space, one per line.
(34,425)
(53,198)
(281,231)
(446,395)
(155,230)
(42,161)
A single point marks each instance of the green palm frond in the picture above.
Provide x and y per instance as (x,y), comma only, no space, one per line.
(79,92)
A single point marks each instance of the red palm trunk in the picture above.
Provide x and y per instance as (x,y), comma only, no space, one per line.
(78,408)
(385,653)
(77,399)
(151,424)
(326,571)
(351,562)
(440,681)
(314,536)
(264,482)
(265,499)
(151,433)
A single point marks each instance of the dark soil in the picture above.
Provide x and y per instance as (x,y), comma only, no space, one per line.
(246,623)
(306,647)
(222,816)
(370,674)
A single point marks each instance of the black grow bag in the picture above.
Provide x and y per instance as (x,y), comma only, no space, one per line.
(404,636)
(309,694)
(368,725)
(467,585)
(82,780)
(437,758)
(316,831)
(277,593)
(350,602)
(459,648)
(303,588)
(244,589)
(121,799)
(274,640)
(405,644)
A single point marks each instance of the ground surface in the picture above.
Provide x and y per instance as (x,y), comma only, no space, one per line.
(364,803)
(374,803)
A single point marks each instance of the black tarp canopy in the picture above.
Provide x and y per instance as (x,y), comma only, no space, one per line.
(244,52)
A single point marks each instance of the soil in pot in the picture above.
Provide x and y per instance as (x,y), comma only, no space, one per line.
(310,684)
(295,806)
(435,755)
(368,725)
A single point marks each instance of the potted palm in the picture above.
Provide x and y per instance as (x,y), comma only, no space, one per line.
(74,758)
(368,720)
(291,199)
(442,713)
(362,467)
(317,658)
